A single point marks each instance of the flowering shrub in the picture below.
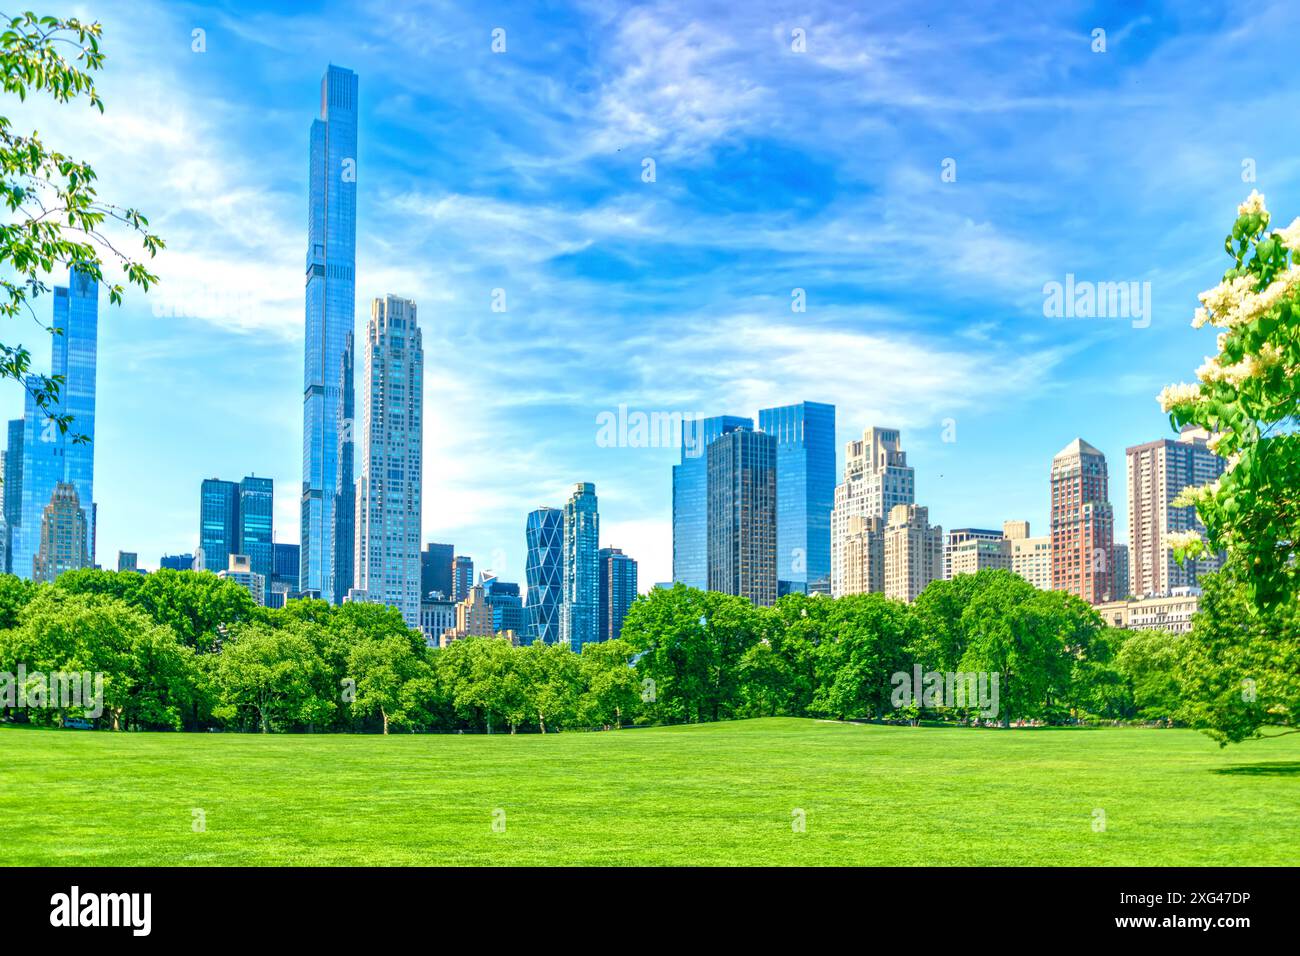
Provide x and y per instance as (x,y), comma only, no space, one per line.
(1248,398)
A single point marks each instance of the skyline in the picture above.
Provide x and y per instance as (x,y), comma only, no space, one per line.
(574,231)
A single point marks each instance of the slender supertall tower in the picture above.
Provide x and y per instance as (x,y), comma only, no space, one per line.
(330,314)
(580,585)
(389,448)
(345,487)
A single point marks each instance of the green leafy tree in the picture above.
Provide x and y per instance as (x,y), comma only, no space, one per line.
(381,667)
(56,219)
(268,672)
(197,605)
(15,594)
(871,636)
(611,688)
(1149,662)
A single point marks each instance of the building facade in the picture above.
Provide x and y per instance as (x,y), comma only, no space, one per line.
(913,552)
(1031,558)
(876,478)
(239,569)
(330,300)
(805,493)
(691,497)
(218,523)
(63,541)
(544,575)
(13,488)
(1083,531)
(617,591)
(389,448)
(435,570)
(462,576)
(742,515)
(1170,612)
(970,550)
(862,551)
(257,526)
(177,562)
(1157,472)
(474,618)
(507,606)
(580,602)
(437,616)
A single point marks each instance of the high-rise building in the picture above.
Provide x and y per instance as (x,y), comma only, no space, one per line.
(474,618)
(343,572)
(435,570)
(437,616)
(240,570)
(876,478)
(1120,572)
(1157,472)
(617,591)
(128,561)
(177,562)
(580,585)
(1031,558)
(462,576)
(285,565)
(63,543)
(1083,531)
(691,497)
(742,515)
(544,575)
(13,487)
(971,550)
(389,449)
(862,549)
(330,314)
(913,552)
(805,493)
(218,523)
(49,455)
(507,606)
(257,526)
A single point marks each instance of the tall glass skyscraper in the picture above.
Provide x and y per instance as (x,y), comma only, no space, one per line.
(13,490)
(580,604)
(805,493)
(330,315)
(544,573)
(256,527)
(690,497)
(389,453)
(218,523)
(742,516)
(435,570)
(617,591)
(49,456)
(345,486)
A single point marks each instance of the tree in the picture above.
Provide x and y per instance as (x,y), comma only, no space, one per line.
(611,689)
(268,672)
(872,634)
(1149,662)
(381,667)
(1248,398)
(56,218)
(197,605)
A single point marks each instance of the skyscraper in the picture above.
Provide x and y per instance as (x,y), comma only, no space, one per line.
(544,574)
(435,569)
(48,455)
(13,488)
(913,552)
(862,553)
(507,607)
(1157,472)
(218,523)
(389,449)
(580,604)
(617,591)
(285,564)
(691,500)
(876,478)
(330,314)
(63,542)
(805,493)
(742,515)
(345,488)
(1083,532)
(462,576)
(257,526)
(1031,558)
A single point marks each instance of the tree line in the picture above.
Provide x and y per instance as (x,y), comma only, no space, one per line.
(183,650)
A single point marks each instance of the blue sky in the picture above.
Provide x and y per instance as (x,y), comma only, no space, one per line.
(775,170)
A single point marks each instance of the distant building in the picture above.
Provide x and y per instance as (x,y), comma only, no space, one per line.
(544,575)
(507,606)
(691,497)
(240,570)
(1157,472)
(435,570)
(285,564)
(1031,558)
(218,523)
(462,576)
(617,591)
(257,525)
(971,550)
(876,478)
(742,515)
(1083,532)
(580,583)
(1171,612)
(127,561)
(474,618)
(13,487)
(1120,572)
(63,542)
(862,551)
(805,493)
(177,562)
(437,616)
(913,552)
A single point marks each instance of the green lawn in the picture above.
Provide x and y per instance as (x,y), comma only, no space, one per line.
(710,794)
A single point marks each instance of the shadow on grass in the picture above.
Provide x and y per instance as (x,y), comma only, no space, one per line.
(1277,768)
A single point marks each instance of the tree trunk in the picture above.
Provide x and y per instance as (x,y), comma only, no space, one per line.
(541,719)
(383,713)
(261,716)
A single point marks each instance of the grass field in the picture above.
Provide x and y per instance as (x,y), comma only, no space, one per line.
(710,794)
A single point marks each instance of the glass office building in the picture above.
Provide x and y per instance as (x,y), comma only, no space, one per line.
(690,497)
(580,604)
(48,455)
(218,523)
(330,315)
(742,516)
(256,527)
(805,493)
(544,574)
(617,591)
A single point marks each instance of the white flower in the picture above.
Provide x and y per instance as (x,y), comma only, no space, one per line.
(1181,394)
(1181,539)
(1290,236)
(1254,203)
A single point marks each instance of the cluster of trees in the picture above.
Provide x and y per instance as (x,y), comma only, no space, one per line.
(188,651)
